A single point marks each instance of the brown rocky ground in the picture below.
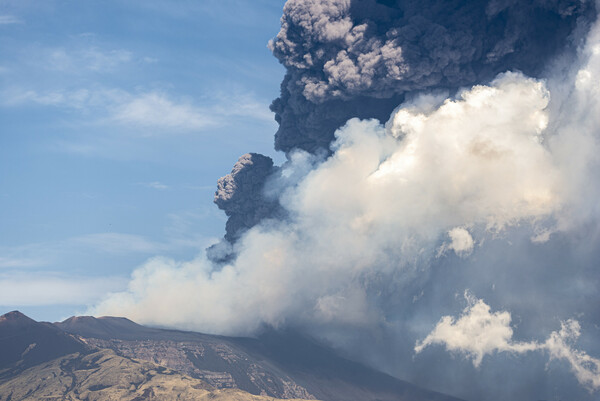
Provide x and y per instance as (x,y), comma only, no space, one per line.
(105,376)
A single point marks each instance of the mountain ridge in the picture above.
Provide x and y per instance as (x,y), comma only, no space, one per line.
(25,343)
(280,364)
(41,361)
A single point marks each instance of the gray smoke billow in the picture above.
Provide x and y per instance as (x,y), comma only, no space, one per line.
(359,59)
(348,59)
(437,214)
(240,195)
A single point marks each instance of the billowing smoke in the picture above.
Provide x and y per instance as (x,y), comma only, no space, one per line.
(372,242)
(348,59)
(360,59)
(241,195)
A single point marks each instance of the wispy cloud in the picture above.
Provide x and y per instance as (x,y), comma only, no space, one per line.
(119,243)
(157,110)
(60,98)
(242,105)
(479,332)
(9,19)
(10,262)
(155,185)
(91,59)
(182,226)
(45,254)
(42,289)
(154,112)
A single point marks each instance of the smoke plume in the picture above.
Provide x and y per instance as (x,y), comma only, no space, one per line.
(433,148)
(348,59)
(240,194)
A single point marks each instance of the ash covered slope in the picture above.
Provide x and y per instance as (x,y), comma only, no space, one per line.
(278,364)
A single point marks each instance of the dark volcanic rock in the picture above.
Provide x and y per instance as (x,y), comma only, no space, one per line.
(39,361)
(103,375)
(25,343)
(277,364)
(103,327)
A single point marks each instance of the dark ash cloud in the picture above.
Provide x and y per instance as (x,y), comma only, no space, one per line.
(348,59)
(360,59)
(240,194)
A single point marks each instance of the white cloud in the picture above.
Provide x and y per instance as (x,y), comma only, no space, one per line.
(11,262)
(28,255)
(479,332)
(383,199)
(45,254)
(242,105)
(585,368)
(155,185)
(152,112)
(9,19)
(143,111)
(43,289)
(462,242)
(156,110)
(87,59)
(119,243)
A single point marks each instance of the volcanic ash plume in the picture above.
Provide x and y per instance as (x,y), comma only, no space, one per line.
(361,59)
(348,59)
(491,191)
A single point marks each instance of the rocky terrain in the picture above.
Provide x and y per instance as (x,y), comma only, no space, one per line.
(25,343)
(103,375)
(87,358)
(276,364)
(39,361)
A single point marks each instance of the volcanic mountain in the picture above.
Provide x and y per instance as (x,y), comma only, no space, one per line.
(25,343)
(279,364)
(40,361)
(111,358)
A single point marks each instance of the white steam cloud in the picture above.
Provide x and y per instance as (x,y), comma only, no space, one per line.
(479,332)
(378,204)
(461,241)
(518,152)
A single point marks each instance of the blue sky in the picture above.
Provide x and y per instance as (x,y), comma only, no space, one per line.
(116,120)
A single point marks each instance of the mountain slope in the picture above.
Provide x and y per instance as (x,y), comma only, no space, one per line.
(25,343)
(103,375)
(278,364)
(40,361)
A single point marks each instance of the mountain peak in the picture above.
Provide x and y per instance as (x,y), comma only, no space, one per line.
(89,319)
(78,319)
(105,327)
(26,342)
(15,317)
